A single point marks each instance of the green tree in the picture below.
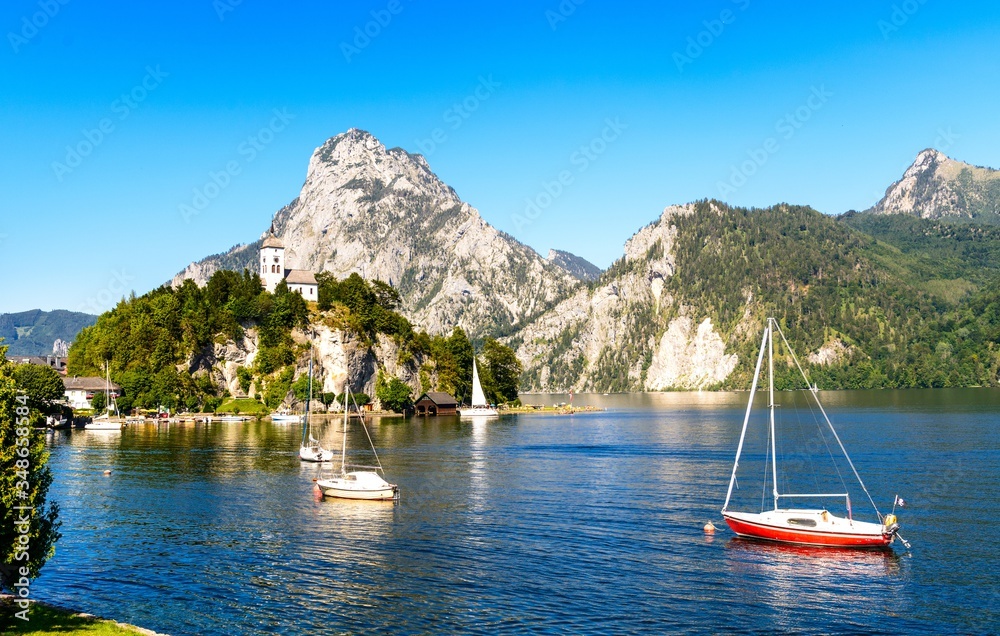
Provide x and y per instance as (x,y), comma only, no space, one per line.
(24,483)
(301,388)
(327,398)
(503,369)
(394,394)
(42,384)
(99,401)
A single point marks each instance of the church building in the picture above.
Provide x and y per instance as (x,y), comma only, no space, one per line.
(272,270)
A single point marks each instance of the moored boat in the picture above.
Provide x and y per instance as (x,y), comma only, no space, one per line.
(285,416)
(480,408)
(106,421)
(802,526)
(364,482)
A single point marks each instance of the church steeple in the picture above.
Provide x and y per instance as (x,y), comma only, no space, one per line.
(272,261)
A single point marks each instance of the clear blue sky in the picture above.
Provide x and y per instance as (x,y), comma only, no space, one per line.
(179,88)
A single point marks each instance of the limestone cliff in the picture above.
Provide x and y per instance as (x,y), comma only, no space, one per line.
(385,215)
(625,333)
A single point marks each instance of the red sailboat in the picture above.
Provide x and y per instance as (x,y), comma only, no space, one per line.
(803,526)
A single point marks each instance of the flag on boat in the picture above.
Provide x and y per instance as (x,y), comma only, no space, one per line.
(900,502)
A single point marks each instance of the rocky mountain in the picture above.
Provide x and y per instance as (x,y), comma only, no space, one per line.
(36,332)
(683,309)
(384,214)
(938,187)
(625,332)
(574,265)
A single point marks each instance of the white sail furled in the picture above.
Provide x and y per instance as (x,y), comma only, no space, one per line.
(478,397)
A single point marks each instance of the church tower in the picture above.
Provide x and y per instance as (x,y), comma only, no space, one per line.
(272,262)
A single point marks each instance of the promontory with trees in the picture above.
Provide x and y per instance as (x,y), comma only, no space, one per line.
(156,345)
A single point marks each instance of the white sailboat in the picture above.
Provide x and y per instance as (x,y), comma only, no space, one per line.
(366,483)
(105,422)
(803,526)
(285,416)
(480,408)
(310,449)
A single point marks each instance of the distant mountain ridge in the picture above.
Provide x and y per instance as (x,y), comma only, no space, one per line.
(938,187)
(576,266)
(34,332)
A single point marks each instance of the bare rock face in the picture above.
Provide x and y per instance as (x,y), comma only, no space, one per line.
(384,214)
(831,353)
(936,186)
(689,357)
(626,333)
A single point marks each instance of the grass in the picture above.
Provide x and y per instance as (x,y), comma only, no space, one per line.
(43,619)
(246,406)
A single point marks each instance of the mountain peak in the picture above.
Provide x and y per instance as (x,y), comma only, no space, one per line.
(936,186)
(385,215)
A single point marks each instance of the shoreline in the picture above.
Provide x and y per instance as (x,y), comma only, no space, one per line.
(69,620)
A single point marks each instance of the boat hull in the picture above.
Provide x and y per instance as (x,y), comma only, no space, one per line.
(103,425)
(828,531)
(308,454)
(359,485)
(478,412)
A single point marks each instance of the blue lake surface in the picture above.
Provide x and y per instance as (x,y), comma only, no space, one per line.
(584,523)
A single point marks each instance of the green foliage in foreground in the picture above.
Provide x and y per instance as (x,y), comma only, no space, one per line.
(42,384)
(27,536)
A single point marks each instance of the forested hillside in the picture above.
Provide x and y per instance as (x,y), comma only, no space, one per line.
(836,288)
(32,333)
(695,287)
(169,347)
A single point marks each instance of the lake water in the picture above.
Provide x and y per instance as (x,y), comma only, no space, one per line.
(585,523)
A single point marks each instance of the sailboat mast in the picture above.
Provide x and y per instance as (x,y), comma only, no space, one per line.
(746,419)
(343,445)
(305,424)
(770,378)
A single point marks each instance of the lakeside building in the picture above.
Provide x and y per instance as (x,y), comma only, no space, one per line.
(80,390)
(272,271)
(436,403)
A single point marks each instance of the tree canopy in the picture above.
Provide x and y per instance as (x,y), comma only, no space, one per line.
(42,384)
(29,524)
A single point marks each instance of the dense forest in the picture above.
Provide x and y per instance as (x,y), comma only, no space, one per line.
(152,342)
(894,305)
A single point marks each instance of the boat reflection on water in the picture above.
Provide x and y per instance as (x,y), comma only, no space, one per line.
(780,555)
(788,580)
